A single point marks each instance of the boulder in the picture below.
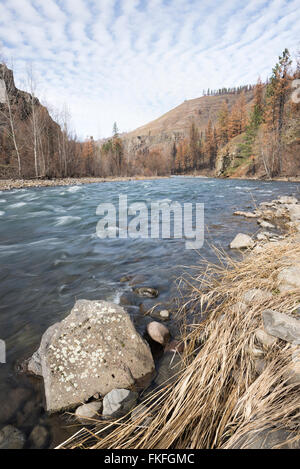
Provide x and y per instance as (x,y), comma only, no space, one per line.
(242,241)
(289,278)
(158,332)
(87,413)
(11,438)
(282,326)
(118,402)
(256,295)
(39,437)
(95,349)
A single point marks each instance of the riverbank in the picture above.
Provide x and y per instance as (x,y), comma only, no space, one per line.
(237,383)
(9,184)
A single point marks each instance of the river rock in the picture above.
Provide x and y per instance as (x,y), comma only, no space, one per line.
(164,314)
(11,438)
(269,438)
(158,332)
(9,407)
(95,349)
(282,326)
(256,295)
(39,437)
(118,402)
(294,212)
(87,413)
(289,278)
(293,373)
(169,367)
(242,241)
(264,339)
(238,307)
(142,414)
(147,292)
(265,224)
(285,199)
(245,214)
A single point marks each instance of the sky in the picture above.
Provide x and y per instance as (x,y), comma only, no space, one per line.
(130,61)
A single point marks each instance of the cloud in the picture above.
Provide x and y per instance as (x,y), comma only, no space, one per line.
(132,60)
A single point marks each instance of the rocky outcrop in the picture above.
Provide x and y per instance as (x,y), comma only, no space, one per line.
(95,349)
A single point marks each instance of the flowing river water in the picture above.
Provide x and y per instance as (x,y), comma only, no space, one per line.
(50,256)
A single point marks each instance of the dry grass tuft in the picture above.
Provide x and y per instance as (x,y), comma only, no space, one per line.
(218,397)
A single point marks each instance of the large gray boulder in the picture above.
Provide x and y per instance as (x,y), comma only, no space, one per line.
(95,349)
(282,326)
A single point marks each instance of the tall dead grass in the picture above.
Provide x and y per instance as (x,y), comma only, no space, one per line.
(218,397)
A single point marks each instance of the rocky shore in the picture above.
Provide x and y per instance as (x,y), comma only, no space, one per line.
(9,184)
(97,366)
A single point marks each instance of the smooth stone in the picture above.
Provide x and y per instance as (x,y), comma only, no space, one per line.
(265,224)
(293,373)
(242,241)
(87,413)
(118,402)
(39,437)
(146,292)
(11,438)
(10,406)
(142,414)
(239,307)
(267,439)
(256,295)
(285,199)
(265,339)
(168,369)
(289,278)
(95,349)
(282,326)
(259,365)
(175,346)
(158,332)
(164,314)
(245,214)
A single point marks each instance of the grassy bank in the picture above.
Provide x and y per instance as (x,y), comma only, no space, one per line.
(230,389)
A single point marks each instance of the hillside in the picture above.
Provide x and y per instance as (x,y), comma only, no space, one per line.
(178,120)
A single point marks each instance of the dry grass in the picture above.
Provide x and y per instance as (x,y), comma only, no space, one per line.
(218,397)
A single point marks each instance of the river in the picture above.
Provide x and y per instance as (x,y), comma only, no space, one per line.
(50,256)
